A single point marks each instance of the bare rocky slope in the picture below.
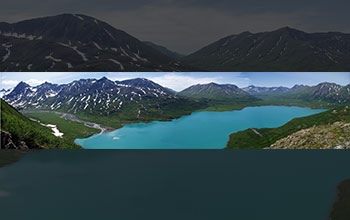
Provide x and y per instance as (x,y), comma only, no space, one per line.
(333,136)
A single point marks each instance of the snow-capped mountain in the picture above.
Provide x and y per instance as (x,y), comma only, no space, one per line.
(71,42)
(137,97)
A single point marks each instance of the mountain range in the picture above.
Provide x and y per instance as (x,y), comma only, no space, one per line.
(142,99)
(72,42)
(284,50)
(323,92)
(130,100)
(327,92)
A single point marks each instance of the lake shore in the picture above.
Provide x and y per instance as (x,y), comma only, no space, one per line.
(217,125)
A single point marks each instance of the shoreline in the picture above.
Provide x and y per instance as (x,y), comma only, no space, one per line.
(209,112)
(237,108)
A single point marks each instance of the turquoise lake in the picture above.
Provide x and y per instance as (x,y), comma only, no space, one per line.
(200,130)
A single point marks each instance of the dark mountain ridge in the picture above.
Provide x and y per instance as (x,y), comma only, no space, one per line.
(76,43)
(285,49)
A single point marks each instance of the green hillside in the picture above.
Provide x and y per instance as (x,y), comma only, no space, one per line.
(71,130)
(32,133)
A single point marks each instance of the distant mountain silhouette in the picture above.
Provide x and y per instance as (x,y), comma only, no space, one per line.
(285,49)
(71,42)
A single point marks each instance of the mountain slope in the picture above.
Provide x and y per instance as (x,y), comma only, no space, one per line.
(20,132)
(70,42)
(117,102)
(217,92)
(164,50)
(285,49)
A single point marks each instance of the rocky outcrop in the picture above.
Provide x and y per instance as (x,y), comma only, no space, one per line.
(340,209)
(7,142)
(333,136)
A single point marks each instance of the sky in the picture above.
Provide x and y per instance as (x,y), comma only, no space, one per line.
(187,25)
(180,81)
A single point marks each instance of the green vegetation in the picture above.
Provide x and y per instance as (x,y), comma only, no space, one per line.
(248,139)
(71,130)
(153,111)
(214,105)
(341,206)
(31,132)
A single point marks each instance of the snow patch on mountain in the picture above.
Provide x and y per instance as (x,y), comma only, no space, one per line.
(76,50)
(7,48)
(117,62)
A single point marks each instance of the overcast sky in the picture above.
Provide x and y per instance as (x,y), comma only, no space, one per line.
(180,81)
(188,25)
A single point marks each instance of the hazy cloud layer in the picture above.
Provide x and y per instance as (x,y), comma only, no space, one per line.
(188,25)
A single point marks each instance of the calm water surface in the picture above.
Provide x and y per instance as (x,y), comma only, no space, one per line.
(173,185)
(200,130)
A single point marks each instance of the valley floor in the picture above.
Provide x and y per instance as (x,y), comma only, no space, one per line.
(71,126)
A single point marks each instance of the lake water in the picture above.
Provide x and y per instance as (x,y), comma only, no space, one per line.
(200,130)
(173,184)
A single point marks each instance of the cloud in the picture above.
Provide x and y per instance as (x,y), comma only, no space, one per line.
(13,83)
(9,83)
(180,82)
(35,82)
